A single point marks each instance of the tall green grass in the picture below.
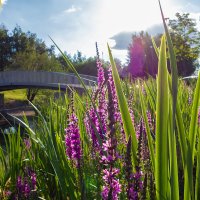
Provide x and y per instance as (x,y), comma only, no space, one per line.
(172,139)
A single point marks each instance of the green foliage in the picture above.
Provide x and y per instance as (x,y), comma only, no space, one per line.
(126,118)
(162,112)
(185,37)
(142,59)
(87,67)
(82,64)
(5,48)
(19,94)
(25,51)
(32,60)
(55,172)
(166,151)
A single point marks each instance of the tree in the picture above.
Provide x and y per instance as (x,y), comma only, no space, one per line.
(82,64)
(186,41)
(5,48)
(142,59)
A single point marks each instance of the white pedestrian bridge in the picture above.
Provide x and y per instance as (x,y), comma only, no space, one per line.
(10,80)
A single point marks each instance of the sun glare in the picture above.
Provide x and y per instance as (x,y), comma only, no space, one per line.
(2,1)
(129,15)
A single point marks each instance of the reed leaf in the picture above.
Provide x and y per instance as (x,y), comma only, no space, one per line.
(162,108)
(194,118)
(155,47)
(173,176)
(126,118)
(197,186)
(150,142)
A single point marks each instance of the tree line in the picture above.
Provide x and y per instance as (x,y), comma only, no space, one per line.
(21,50)
(25,51)
(143,61)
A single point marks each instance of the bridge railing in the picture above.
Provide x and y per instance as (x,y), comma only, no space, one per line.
(43,77)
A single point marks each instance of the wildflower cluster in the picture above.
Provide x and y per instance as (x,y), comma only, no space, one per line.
(72,140)
(26,185)
(112,187)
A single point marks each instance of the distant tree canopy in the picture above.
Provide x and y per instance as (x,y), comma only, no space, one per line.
(24,51)
(20,50)
(82,64)
(5,48)
(186,40)
(142,60)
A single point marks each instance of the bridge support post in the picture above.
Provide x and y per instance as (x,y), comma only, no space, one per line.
(1,101)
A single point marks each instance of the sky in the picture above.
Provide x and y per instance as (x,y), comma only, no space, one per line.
(78,24)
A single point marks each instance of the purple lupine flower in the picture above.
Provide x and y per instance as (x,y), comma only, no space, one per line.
(102,104)
(140,128)
(105,192)
(102,111)
(149,119)
(112,187)
(132,191)
(137,178)
(33,179)
(132,195)
(114,96)
(23,187)
(138,131)
(100,74)
(72,140)
(27,143)
(26,187)
(26,184)
(96,118)
(19,183)
(134,186)
(112,184)
(68,143)
(92,125)
(31,175)
(117,115)
(134,180)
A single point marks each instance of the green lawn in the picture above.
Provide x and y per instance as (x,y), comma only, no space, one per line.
(19,94)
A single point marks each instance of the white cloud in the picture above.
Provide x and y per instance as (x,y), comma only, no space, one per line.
(72,9)
(60,17)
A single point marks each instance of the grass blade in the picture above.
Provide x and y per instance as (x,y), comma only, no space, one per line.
(161,125)
(194,118)
(150,143)
(126,118)
(173,176)
(197,186)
